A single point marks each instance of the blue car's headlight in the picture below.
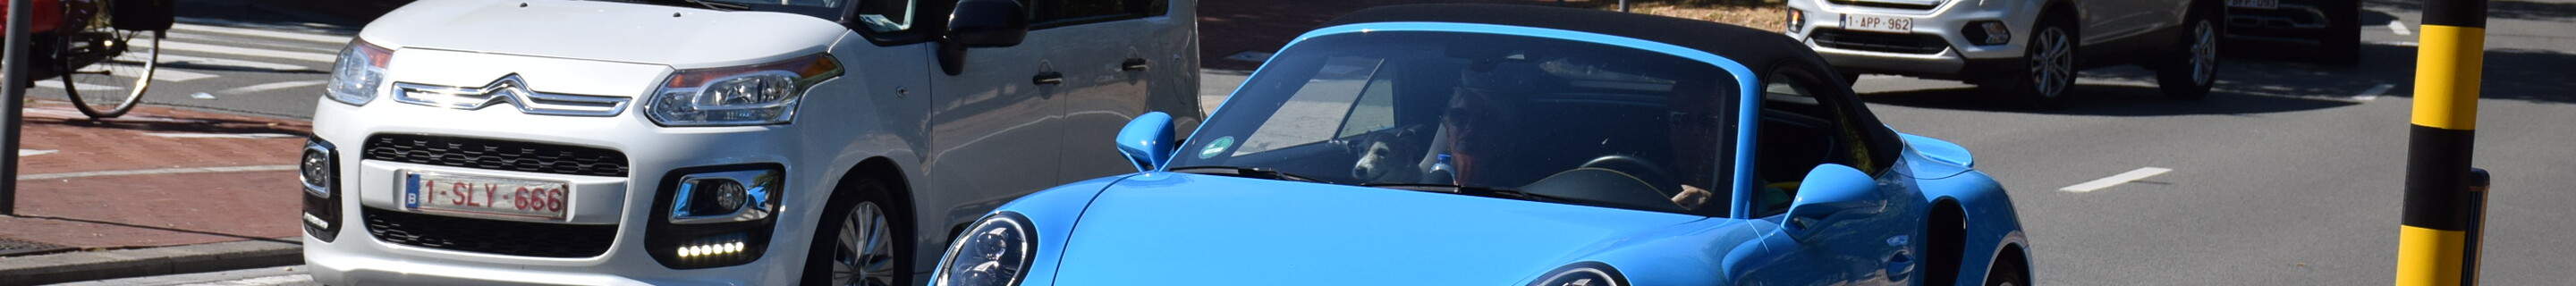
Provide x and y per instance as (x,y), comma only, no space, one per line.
(1582,274)
(995,252)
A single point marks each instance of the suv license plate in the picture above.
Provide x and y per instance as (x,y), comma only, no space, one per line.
(2256,4)
(1876,23)
(484,195)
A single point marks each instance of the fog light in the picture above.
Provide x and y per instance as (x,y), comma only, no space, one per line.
(1988,32)
(725,197)
(715,216)
(317,171)
(1797,20)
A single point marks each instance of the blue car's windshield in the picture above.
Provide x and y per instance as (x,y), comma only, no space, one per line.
(1570,121)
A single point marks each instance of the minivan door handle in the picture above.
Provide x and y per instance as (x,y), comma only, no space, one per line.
(1132,64)
(1048,78)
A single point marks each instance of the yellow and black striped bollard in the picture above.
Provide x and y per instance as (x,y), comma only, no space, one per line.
(2445,200)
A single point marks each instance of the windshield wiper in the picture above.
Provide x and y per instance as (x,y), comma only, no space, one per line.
(1246,172)
(1481,191)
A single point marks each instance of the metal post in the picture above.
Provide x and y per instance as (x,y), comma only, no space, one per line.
(2438,240)
(1623,6)
(13,67)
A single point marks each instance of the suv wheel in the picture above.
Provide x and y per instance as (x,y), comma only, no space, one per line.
(2051,54)
(860,241)
(2195,68)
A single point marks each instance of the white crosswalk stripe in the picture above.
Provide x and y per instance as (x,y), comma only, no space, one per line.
(193,28)
(168,46)
(167,59)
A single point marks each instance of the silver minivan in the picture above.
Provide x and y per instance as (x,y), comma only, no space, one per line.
(716,142)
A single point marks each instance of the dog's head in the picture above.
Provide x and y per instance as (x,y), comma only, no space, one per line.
(1388,156)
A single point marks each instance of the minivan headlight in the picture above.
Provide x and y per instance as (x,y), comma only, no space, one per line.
(757,94)
(360,69)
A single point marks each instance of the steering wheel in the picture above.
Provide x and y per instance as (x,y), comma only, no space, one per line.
(1644,170)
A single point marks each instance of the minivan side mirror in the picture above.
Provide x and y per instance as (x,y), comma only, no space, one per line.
(987,24)
(1148,141)
(1828,191)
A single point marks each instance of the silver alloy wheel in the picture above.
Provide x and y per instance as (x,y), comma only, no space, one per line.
(2053,67)
(2204,53)
(863,254)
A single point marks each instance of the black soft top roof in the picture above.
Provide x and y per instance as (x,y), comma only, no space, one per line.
(1756,49)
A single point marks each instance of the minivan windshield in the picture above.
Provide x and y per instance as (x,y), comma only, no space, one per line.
(1486,114)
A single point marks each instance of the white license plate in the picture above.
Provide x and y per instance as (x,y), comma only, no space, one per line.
(1876,23)
(485,195)
(2256,4)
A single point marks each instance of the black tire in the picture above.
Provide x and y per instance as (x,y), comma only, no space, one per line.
(2007,273)
(829,261)
(2340,43)
(2190,72)
(2050,71)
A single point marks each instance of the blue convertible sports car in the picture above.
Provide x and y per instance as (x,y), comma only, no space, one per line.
(1518,145)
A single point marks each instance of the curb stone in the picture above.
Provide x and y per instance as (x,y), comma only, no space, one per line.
(96,265)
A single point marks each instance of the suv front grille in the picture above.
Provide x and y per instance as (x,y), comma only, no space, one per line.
(1880,42)
(496,155)
(489,236)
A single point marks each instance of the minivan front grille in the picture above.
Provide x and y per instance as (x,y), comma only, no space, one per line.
(1880,42)
(489,236)
(496,154)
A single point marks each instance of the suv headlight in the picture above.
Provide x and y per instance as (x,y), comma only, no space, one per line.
(733,96)
(994,252)
(1582,274)
(358,73)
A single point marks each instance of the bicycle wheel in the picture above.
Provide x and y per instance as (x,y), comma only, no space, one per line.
(108,69)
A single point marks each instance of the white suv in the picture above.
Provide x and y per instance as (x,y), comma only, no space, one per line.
(717,142)
(2029,49)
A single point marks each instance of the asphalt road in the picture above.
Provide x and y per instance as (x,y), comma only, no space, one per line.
(2290,174)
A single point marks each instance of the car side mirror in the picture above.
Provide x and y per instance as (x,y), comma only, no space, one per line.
(980,24)
(988,23)
(1828,191)
(1148,141)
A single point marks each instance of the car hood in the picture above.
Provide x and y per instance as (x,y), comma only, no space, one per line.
(1210,230)
(605,31)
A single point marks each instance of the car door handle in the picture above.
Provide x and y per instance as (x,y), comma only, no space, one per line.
(1132,64)
(1048,78)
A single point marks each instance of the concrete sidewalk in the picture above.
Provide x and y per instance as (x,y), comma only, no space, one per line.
(158,191)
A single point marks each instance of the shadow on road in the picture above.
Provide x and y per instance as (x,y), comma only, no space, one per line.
(2250,85)
(2107,100)
(2500,9)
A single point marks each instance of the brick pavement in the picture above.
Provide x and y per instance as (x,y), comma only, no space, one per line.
(75,196)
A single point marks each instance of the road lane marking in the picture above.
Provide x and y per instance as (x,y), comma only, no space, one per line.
(258,88)
(158,172)
(33,152)
(2114,180)
(223,135)
(261,33)
(2399,27)
(239,51)
(2373,93)
(177,76)
(167,59)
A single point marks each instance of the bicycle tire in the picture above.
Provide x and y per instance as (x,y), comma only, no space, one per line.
(114,65)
